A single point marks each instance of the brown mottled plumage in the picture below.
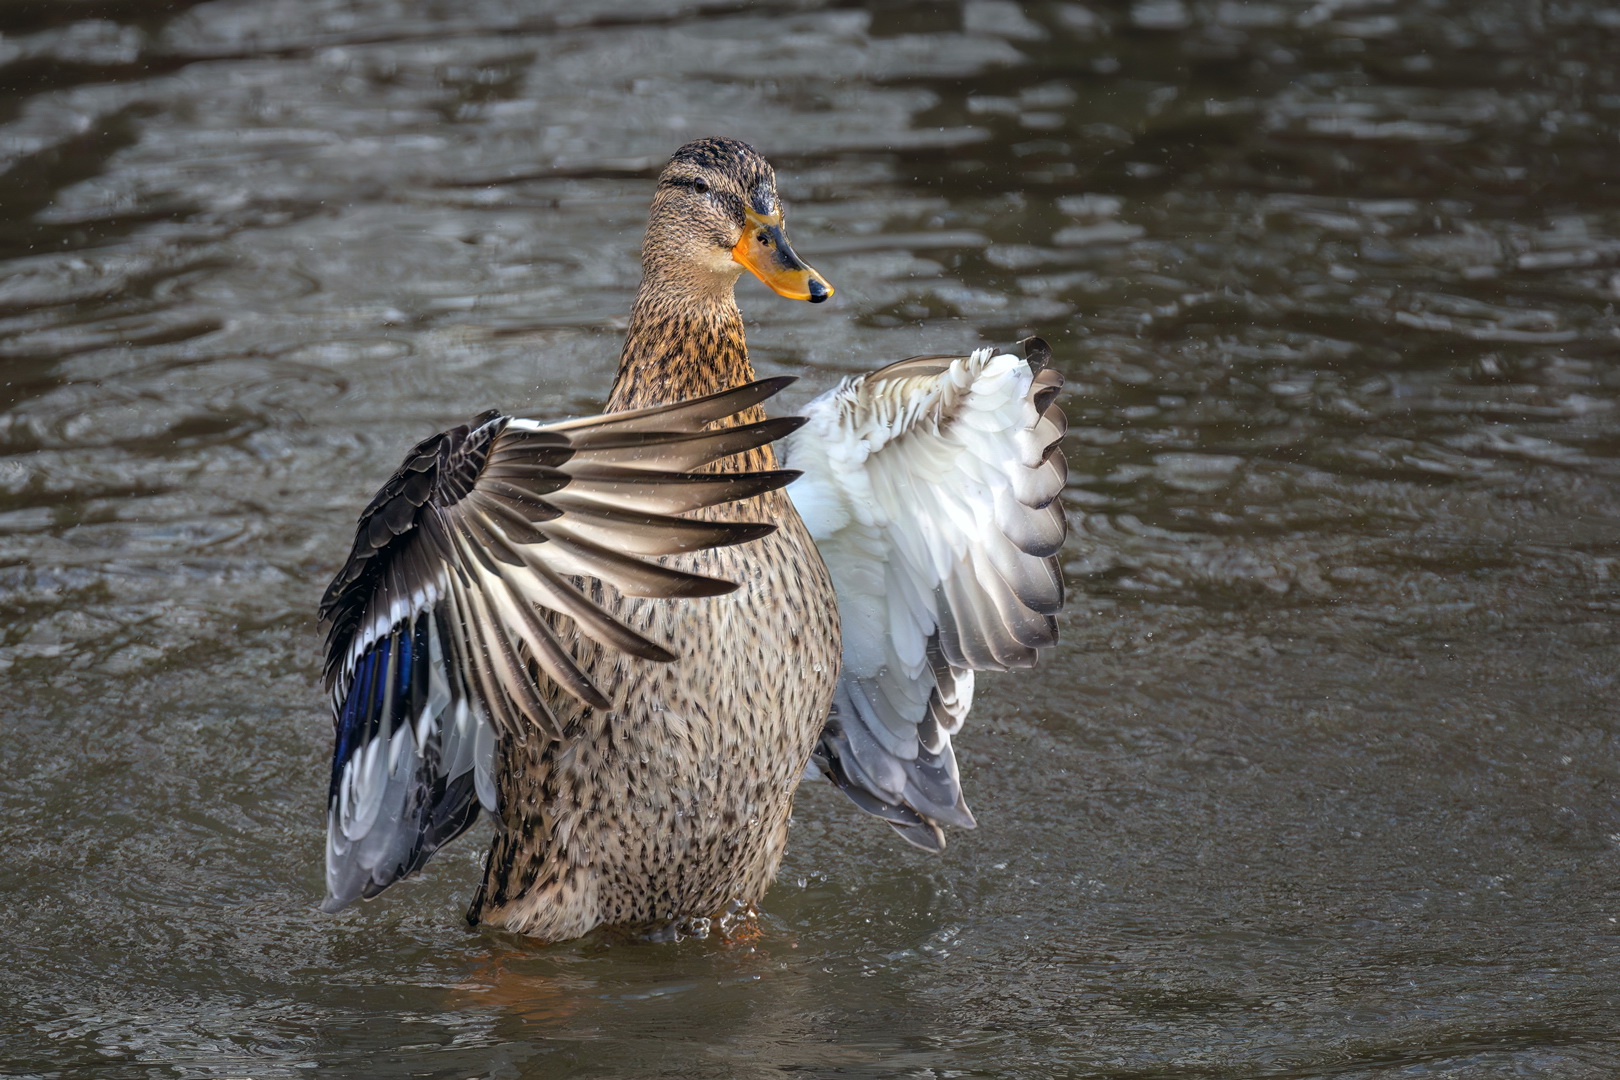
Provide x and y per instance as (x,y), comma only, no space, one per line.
(617,635)
(671,807)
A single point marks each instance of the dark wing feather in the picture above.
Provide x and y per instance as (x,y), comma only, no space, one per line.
(436,640)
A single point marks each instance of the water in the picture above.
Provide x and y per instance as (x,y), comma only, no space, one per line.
(1322,781)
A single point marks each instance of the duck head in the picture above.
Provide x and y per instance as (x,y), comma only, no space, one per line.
(715,214)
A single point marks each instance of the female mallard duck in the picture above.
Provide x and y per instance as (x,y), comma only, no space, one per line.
(621,638)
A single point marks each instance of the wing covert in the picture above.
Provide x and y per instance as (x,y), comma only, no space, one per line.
(931,487)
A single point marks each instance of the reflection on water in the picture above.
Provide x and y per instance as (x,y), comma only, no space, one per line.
(1322,781)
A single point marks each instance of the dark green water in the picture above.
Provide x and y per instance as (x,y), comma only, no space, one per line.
(1322,781)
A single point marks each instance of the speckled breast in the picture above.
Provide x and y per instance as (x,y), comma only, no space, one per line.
(672,807)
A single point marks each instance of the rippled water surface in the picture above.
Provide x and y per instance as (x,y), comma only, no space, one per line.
(1321,782)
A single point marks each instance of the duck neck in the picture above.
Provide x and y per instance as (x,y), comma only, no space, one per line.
(682,343)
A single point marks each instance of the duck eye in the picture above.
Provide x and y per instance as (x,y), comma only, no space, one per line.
(700,185)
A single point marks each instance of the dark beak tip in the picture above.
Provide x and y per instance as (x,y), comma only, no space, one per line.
(818,291)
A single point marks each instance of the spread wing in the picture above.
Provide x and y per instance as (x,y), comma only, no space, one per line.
(443,618)
(931,488)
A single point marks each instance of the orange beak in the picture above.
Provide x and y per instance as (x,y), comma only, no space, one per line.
(764,250)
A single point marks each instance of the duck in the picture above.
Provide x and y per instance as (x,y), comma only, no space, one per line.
(626,639)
